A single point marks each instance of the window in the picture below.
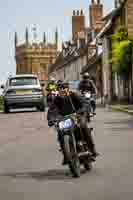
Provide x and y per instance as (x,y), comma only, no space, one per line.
(23,81)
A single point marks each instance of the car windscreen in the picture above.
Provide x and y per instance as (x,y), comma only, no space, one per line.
(23,81)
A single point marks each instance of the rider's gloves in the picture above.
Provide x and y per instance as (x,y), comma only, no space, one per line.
(50,123)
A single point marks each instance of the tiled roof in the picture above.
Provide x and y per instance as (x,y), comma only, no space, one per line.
(61,60)
(114,12)
(109,21)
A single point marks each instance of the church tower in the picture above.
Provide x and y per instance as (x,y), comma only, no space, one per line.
(35,57)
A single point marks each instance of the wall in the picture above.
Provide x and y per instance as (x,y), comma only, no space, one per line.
(35,59)
(129,16)
(73,69)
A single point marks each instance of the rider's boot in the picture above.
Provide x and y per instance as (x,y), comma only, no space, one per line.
(64,161)
(91,145)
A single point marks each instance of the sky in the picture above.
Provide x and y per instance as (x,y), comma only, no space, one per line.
(45,15)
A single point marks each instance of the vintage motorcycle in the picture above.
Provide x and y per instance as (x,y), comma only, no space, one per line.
(91,98)
(75,147)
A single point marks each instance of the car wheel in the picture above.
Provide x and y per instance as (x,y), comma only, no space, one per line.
(6,108)
(41,108)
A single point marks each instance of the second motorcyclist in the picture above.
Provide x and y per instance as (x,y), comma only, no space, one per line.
(88,85)
(51,92)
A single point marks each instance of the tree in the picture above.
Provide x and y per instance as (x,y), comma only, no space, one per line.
(122,57)
(121,51)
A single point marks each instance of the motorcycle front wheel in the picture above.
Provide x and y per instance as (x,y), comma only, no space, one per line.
(72,155)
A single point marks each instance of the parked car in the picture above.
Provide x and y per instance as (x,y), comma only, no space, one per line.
(22,91)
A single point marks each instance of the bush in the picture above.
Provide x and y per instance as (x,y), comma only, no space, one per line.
(1,103)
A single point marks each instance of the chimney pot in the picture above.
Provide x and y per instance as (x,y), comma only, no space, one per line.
(78,12)
(98,1)
(81,12)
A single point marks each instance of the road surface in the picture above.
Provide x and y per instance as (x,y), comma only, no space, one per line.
(30,164)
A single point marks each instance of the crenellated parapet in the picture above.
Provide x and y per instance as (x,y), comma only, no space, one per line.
(43,44)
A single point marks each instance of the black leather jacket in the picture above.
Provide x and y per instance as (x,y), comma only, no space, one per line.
(88,85)
(64,106)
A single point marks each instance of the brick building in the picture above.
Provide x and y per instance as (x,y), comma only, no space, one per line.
(75,55)
(114,84)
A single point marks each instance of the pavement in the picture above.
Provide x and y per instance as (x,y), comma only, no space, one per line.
(123,108)
(30,163)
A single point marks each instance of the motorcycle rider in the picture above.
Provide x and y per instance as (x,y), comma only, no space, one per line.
(67,103)
(88,85)
(51,91)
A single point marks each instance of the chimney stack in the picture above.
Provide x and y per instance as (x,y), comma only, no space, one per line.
(96,14)
(78,23)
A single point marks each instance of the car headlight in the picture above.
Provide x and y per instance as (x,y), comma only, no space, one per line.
(65,124)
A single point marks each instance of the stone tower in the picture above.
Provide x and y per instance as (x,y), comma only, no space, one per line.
(78,23)
(96,14)
(34,58)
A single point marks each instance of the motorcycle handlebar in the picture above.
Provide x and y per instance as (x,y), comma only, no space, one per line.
(55,121)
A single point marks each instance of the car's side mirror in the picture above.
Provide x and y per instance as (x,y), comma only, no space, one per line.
(2,86)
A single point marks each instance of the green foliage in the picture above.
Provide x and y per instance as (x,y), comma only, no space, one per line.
(121,51)
(122,34)
(1,103)
(122,57)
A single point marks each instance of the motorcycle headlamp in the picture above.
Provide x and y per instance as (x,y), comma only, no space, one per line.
(65,124)
(88,95)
